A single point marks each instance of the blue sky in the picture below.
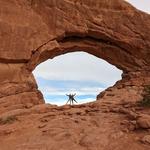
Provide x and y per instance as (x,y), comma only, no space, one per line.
(79,73)
(55,90)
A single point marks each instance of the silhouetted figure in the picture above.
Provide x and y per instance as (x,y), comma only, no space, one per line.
(71,98)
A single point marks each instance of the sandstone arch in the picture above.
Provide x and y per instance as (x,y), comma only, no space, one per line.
(32,31)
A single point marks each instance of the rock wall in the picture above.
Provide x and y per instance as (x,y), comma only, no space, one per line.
(32,31)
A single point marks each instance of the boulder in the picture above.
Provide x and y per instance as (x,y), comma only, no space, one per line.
(144,121)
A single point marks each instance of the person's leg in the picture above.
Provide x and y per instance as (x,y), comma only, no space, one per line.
(70,101)
(67,102)
(75,100)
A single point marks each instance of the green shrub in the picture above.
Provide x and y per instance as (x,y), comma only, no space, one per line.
(146,97)
(8,120)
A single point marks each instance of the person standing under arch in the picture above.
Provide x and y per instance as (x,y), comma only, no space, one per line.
(71,99)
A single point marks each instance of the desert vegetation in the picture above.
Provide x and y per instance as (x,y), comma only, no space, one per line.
(145,102)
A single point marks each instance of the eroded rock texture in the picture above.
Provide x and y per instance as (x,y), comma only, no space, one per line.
(32,31)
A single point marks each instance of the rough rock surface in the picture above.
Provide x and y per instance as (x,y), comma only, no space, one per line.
(32,31)
(91,126)
(144,121)
(146,139)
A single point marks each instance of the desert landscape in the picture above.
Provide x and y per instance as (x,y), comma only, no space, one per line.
(33,31)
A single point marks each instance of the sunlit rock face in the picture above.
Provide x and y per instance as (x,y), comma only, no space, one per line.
(32,31)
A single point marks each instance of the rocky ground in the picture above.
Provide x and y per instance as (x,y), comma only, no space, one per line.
(100,125)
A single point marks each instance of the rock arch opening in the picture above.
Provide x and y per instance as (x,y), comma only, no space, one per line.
(76,72)
(114,31)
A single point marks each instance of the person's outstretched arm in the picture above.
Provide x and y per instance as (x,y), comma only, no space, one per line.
(74,94)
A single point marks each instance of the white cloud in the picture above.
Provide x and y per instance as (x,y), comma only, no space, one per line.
(78,66)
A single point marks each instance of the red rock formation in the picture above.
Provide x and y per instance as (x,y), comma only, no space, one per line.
(32,31)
